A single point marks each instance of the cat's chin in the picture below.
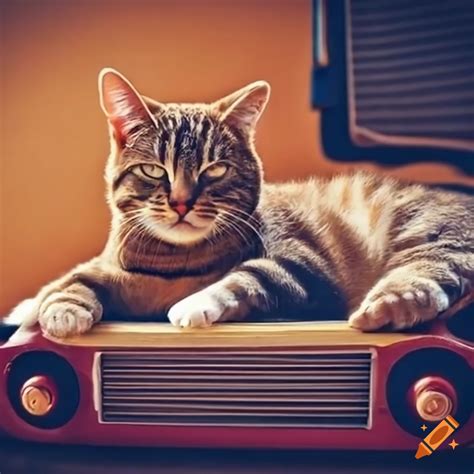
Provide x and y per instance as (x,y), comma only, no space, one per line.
(184,233)
(179,233)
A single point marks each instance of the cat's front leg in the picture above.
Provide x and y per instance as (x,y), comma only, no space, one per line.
(409,295)
(221,301)
(65,307)
(70,310)
(282,284)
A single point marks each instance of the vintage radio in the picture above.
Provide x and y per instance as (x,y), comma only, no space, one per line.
(291,385)
(287,384)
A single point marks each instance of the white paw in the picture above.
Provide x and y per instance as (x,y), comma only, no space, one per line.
(24,314)
(65,319)
(400,308)
(204,308)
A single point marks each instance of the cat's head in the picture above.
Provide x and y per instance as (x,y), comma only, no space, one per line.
(183,172)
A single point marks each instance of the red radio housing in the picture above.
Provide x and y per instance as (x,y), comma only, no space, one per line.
(285,385)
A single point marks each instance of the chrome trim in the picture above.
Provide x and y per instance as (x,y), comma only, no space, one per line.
(320,32)
(97,382)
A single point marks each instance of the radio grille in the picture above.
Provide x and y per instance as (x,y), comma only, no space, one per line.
(411,70)
(236,388)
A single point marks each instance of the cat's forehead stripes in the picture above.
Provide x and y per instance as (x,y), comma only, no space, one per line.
(187,139)
(206,129)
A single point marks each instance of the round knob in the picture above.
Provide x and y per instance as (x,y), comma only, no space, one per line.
(38,395)
(433,406)
(434,398)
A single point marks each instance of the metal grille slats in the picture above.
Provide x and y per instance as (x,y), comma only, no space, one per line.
(237,388)
(411,69)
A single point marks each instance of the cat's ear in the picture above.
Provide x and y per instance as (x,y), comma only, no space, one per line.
(123,106)
(244,107)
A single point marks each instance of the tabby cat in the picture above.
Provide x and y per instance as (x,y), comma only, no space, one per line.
(198,236)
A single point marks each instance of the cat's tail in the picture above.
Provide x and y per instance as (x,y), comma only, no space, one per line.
(24,314)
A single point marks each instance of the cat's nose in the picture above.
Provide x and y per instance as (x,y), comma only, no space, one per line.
(180,207)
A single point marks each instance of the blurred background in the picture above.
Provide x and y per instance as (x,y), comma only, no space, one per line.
(54,137)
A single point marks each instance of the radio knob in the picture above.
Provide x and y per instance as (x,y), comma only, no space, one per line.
(38,395)
(434,398)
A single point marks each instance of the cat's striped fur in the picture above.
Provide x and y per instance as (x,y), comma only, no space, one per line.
(196,235)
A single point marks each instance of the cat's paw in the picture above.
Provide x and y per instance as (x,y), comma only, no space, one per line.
(24,314)
(400,305)
(63,319)
(204,308)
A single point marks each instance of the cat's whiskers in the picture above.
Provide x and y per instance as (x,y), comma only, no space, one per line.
(219,230)
(132,221)
(227,219)
(137,220)
(247,217)
(129,224)
(148,230)
(205,213)
(228,207)
(230,215)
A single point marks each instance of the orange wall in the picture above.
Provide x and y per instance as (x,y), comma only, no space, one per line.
(54,143)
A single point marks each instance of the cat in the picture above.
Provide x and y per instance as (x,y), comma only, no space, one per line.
(198,235)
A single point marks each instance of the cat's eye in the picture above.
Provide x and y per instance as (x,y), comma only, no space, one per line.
(149,171)
(216,171)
